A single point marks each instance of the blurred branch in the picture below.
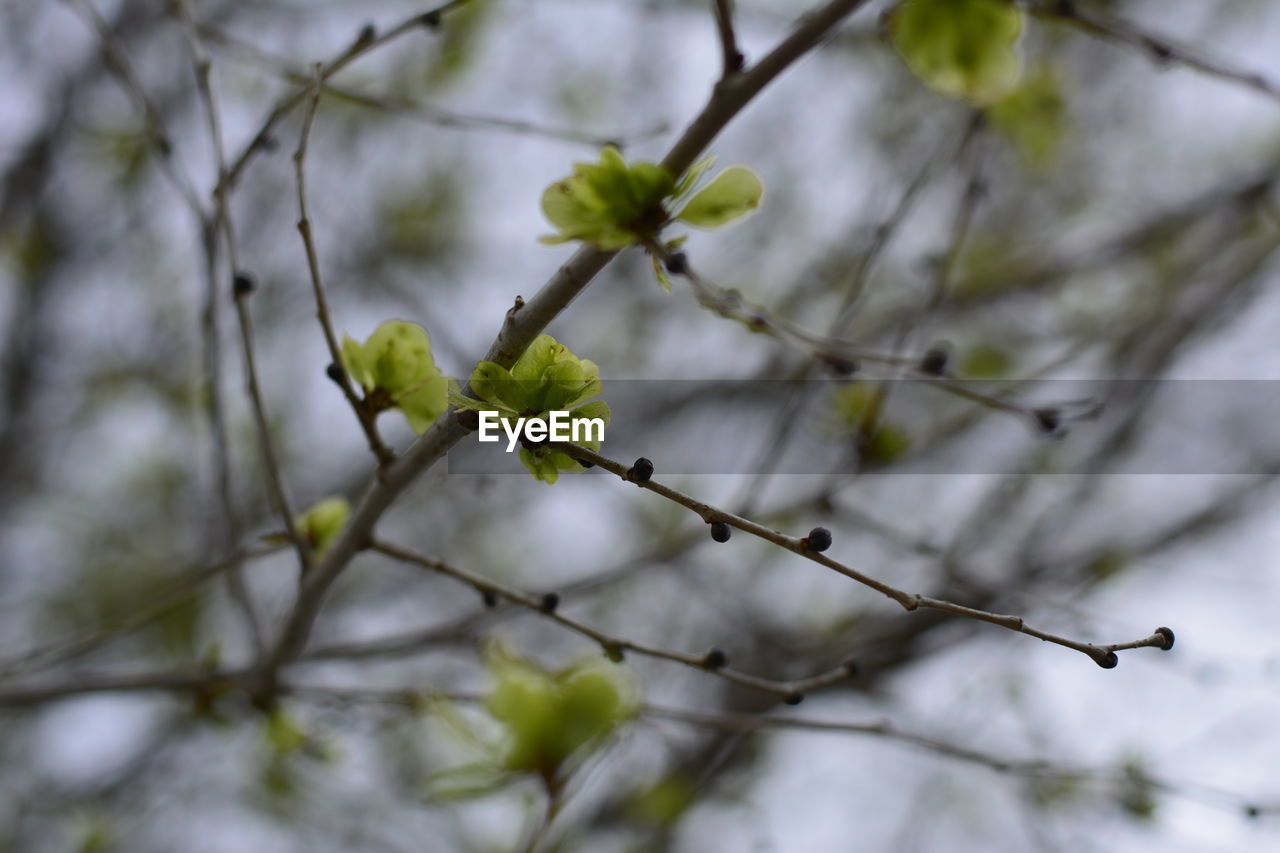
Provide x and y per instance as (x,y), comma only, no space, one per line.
(423,112)
(1030,768)
(337,372)
(714,661)
(271,467)
(211,326)
(182,589)
(117,60)
(1159,49)
(366,41)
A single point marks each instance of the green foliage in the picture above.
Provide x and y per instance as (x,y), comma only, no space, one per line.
(960,48)
(550,717)
(735,192)
(283,733)
(547,722)
(985,361)
(426,222)
(105,597)
(460,32)
(612,204)
(1137,792)
(1108,563)
(664,802)
(96,835)
(858,407)
(396,369)
(1033,117)
(321,523)
(547,377)
(887,442)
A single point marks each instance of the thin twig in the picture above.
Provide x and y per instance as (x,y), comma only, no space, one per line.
(359,47)
(211,321)
(1159,49)
(1103,655)
(271,465)
(366,418)
(731,57)
(611,645)
(117,60)
(180,590)
(248,53)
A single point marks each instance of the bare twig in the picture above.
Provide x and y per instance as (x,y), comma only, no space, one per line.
(366,418)
(1103,655)
(270,464)
(362,45)
(1159,49)
(211,319)
(181,589)
(427,113)
(117,60)
(732,57)
(613,646)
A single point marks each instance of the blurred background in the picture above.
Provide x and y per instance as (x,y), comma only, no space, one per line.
(1112,218)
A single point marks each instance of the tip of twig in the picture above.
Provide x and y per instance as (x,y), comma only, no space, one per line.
(1167,635)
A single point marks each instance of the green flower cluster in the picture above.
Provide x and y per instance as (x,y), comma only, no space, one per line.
(547,378)
(960,48)
(612,204)
(321,523)
(550,717)
(396,369)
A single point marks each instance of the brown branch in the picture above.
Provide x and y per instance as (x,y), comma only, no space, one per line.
(731,58)
(336,371)
(1103,655)
(363,44)
(271,465)
(211,321)
(614,647)
(1159,49)
(526,320)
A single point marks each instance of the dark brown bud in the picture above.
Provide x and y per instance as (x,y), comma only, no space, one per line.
(819,539)
(715,659)
(641,471)
(242,284)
